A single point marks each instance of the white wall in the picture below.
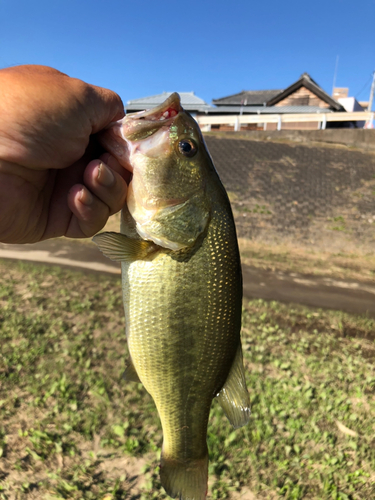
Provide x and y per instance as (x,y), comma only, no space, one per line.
(351,104)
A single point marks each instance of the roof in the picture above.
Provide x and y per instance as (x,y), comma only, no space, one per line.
(271,97)
(306,81)
(189,101)
(251,97)
(267,110)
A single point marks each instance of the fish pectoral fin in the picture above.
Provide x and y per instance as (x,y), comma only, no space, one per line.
(233,397)
(130,374)
(120,248)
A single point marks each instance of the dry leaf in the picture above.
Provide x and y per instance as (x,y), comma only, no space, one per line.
(345,430)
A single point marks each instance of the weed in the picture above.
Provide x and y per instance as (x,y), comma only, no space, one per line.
(71,428)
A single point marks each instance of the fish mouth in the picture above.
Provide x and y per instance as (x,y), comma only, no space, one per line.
(133,133)
(138,126)
(167,109)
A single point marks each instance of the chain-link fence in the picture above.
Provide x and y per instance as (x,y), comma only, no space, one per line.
(316,195)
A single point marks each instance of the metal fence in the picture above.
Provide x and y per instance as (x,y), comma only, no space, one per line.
(321,195)
(205,122)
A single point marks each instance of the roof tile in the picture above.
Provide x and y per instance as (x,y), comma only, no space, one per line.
(189,101)
(252,97)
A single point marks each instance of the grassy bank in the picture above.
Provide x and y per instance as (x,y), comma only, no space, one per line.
(71,428)
(293,258)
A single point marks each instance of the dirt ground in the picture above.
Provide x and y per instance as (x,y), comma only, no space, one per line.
(264,281)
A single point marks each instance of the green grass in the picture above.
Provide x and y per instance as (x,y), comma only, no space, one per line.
(71,428)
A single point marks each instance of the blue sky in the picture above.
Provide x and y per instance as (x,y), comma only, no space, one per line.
(214,48)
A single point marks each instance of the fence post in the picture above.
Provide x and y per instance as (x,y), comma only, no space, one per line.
(279,123)
(324,122)
(237,125)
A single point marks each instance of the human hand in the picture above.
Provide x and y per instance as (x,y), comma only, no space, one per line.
(53,181)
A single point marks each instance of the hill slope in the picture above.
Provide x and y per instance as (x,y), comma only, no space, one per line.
(322,196)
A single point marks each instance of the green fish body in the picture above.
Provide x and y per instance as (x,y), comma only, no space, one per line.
(182,288)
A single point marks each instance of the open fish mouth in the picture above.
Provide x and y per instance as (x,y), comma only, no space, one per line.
(125,137)
(138,126)
(165,111)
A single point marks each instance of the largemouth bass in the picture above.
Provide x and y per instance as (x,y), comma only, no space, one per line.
(182,286)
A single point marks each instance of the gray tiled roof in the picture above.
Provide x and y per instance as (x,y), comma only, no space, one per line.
(234,110)
(271,97)
(193,103)
(189,101)
(253,97)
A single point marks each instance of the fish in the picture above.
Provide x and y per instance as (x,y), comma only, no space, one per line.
(181,284)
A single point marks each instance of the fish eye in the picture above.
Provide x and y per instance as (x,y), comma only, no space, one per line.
(187,147)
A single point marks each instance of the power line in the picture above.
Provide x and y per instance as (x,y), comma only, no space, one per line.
(364,87)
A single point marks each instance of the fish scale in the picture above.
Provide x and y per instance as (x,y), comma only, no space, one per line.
(182,287)
(185,317)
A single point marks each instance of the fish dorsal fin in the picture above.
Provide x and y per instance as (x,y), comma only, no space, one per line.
(130,374)
(233,397)
(120,248)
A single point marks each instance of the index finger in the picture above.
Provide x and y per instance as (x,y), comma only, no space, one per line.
(102,106)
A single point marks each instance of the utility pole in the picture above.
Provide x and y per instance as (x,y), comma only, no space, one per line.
(372,91)
(334,76)
(369,123)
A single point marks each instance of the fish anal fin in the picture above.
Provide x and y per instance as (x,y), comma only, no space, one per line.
(233,397)
(130,374)
(120,248)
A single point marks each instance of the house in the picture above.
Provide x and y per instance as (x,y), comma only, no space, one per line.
(302,96)
(189,101)
(341,94)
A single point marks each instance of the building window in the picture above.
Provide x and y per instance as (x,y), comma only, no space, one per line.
(301,101)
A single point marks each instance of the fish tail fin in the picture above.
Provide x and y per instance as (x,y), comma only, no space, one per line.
(185,480)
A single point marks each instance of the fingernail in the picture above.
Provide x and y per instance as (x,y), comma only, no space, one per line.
(85,197)
(105,176)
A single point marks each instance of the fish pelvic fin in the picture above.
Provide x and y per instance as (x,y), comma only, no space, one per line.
(185,480)
(233,397)
(120,248)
